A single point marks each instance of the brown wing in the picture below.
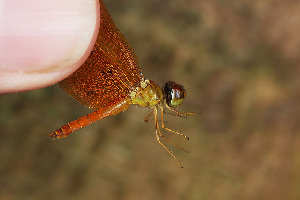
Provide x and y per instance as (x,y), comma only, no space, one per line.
(109,73)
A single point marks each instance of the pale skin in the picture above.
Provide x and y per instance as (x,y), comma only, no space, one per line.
(43,42)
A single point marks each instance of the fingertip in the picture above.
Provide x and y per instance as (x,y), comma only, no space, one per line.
(51,48)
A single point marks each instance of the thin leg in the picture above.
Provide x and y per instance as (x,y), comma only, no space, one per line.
(174,144)
(148,116)
(179,113)
(158,135)
(168,129)
(174,114)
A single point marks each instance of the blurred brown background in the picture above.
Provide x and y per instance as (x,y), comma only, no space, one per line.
(239,61)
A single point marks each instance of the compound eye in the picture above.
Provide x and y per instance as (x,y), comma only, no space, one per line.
(174,94)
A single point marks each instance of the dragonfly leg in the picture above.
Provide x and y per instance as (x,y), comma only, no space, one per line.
(159,135)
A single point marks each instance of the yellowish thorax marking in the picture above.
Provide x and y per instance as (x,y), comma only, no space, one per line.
(148,94)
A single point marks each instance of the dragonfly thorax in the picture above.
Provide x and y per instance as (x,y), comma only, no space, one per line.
(148,94)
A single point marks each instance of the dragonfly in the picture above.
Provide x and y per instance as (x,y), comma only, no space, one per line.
(111,80)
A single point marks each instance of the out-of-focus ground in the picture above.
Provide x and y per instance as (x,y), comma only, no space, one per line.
(240,63)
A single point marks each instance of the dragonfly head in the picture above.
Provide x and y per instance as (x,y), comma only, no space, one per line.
(173,94)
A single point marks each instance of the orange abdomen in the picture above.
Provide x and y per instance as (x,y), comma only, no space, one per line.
(101,113)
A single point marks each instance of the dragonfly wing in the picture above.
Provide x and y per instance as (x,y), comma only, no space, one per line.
(109,73)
